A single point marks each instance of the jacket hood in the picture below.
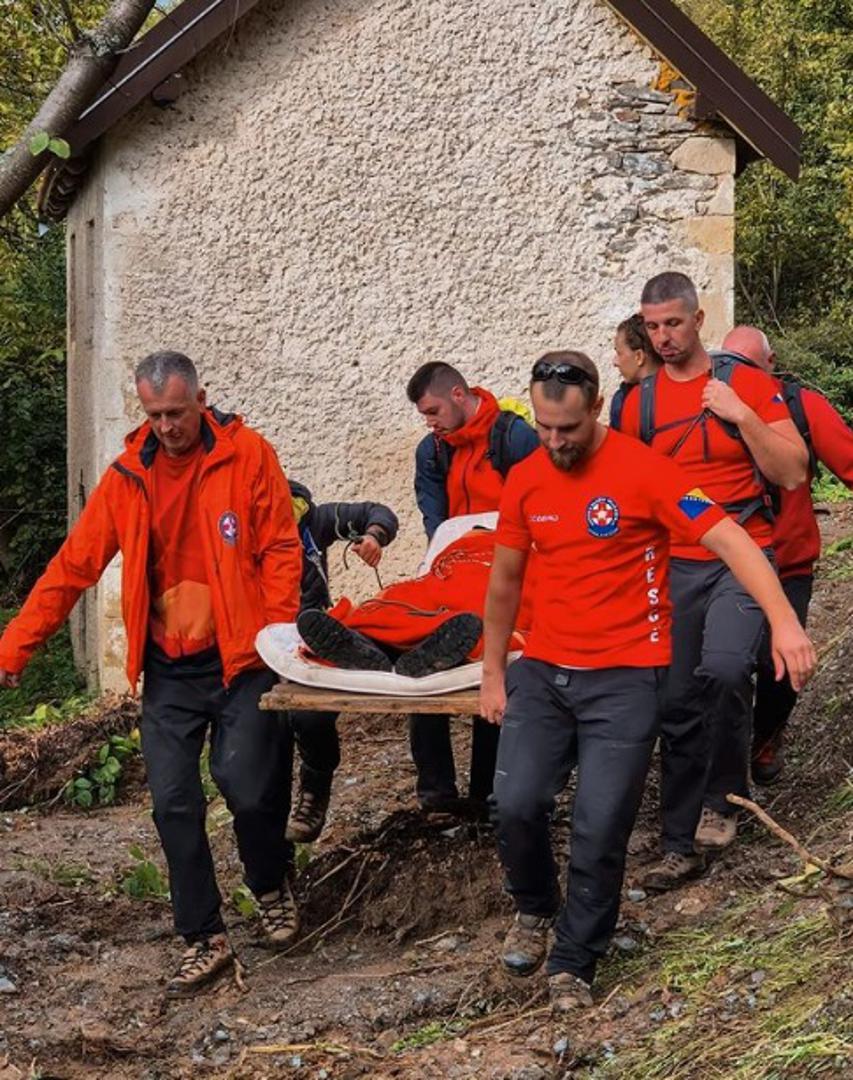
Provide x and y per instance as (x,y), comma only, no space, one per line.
(480,424)
(300,491)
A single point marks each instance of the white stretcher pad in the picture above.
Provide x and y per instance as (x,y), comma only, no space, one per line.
(278,644)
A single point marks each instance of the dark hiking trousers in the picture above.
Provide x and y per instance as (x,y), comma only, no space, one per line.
(316,736)
(251,755)
(432,753)
(605,722)
(707,709)
(775,701)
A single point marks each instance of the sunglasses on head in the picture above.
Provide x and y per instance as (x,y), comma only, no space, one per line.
(567,374)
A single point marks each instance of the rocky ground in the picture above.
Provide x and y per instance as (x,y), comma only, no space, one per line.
(746,973)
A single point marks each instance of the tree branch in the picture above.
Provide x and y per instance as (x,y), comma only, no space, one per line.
(92,59)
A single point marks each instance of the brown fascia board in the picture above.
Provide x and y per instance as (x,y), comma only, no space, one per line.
(725,89)
(737,100)
(167,47)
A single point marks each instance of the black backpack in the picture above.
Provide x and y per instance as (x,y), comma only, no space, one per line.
(499,453)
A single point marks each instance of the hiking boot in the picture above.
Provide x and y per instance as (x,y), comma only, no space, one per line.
(279,916)
(715,831)
(568,993)
(447,647)
(526,943)
(203,962)
(767,762)
(345,648)
(674,869)
(307,818)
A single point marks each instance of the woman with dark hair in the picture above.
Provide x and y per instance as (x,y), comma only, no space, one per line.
(634,358)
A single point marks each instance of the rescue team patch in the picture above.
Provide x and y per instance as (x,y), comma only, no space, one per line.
(228,527)
(602,517)
(694,503)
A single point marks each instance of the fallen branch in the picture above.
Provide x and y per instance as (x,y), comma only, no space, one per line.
(791,840)
(338,1049)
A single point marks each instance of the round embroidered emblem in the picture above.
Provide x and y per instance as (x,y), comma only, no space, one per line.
(602,517)
(228,527)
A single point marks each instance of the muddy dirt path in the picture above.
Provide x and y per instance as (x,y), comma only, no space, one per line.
(402,919)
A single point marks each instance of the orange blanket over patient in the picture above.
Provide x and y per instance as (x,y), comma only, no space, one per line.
(404,613)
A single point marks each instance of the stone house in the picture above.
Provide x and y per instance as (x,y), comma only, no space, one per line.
(312,197)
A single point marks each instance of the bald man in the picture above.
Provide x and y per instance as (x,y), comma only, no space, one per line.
(796,537)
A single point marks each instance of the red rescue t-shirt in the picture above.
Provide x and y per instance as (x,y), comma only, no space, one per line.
(601,533)
(181,619)
(796,536)
(715,462)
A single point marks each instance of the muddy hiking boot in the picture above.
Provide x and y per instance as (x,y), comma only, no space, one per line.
(768,761)
(345,648)
(715,831)
(526,944)
(568,993)
(307,818)
(674,869)
(279,916)
(446,648)
(200,965)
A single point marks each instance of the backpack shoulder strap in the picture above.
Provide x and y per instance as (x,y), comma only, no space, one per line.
(648,390)
(499,449)
(792,394)
(442,454)
(617,405)
(723,368)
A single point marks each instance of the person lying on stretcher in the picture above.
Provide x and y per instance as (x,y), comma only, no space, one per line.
(418,626)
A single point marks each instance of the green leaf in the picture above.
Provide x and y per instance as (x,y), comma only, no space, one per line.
(39,143)
(59,147)
(83,798)
(136,852)
(103,753)
(82,782)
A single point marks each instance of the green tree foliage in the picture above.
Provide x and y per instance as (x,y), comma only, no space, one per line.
(794,250)
(33,50)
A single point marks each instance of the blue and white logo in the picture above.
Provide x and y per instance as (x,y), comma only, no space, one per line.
(229,528)
(602,517)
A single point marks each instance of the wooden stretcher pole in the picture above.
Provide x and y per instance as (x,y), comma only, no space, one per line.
(290,695)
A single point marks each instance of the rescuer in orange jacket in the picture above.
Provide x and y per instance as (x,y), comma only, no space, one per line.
(200,509)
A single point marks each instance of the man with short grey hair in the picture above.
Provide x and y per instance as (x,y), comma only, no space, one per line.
(200,509)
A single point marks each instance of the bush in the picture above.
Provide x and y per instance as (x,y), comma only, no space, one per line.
(50,679)
(821,355)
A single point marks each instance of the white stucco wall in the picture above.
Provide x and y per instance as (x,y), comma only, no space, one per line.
(348,188)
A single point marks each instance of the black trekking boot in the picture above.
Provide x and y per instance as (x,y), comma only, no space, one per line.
(345,648)
(447,647)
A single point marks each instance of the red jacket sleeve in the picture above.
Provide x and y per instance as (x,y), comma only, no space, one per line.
(277,546)
(831,437)
(79,563)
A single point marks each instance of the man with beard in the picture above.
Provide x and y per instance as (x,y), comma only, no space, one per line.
(460,468)
(599,509)
(727,426)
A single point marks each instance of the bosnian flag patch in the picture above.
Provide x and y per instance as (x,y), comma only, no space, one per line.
(694,503)
(778,399)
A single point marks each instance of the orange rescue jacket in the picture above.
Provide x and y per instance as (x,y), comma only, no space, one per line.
(251,546)
(474,486)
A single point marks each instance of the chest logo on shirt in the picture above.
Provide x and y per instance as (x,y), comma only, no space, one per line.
(602,517)
(229,528)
